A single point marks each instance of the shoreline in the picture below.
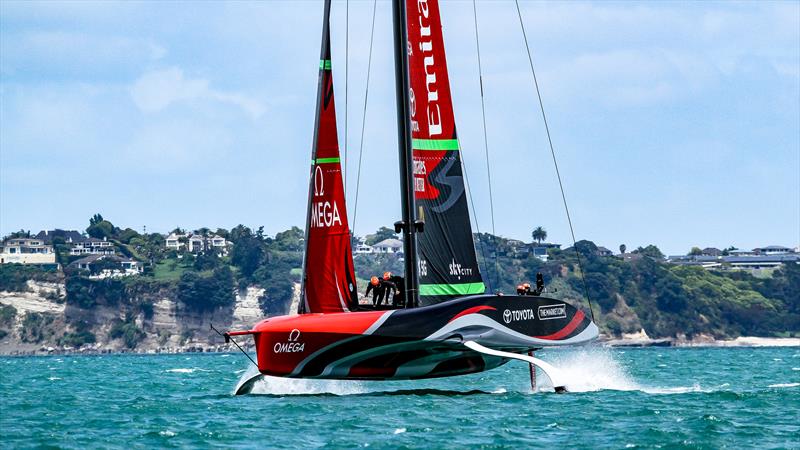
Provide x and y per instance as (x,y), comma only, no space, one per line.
(740,342)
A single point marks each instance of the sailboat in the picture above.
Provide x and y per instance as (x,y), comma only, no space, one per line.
(448,324)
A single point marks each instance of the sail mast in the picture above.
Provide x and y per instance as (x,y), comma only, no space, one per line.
(408,225)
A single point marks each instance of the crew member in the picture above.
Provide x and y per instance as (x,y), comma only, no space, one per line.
(398,297)
(539,284)
(527,287)
(374,286)
(521,289)
(387,288)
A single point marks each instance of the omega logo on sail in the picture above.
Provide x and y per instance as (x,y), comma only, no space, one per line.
(323,213)
(434,115)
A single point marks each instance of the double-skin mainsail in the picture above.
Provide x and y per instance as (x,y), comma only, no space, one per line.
(447,264)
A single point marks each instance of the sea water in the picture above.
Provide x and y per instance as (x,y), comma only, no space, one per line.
(619,398)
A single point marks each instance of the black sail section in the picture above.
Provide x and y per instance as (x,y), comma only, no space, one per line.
(448,266)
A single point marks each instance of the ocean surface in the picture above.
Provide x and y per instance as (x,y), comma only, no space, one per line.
(620,398)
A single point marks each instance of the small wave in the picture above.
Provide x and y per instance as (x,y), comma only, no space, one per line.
(182,370)
(796,369)
(784,385)
(399,430)
(54,378)
(166,433)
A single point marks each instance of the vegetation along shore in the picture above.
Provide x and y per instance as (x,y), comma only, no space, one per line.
(110,289)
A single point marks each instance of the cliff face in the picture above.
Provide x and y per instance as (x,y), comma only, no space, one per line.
(39,320)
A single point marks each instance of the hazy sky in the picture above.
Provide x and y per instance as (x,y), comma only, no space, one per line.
(675,123)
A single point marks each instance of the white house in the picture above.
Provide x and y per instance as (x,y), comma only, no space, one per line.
(120,267)
(26,251)
(773,250)
(390,246)
(196,243)
(93,246)
(363,249)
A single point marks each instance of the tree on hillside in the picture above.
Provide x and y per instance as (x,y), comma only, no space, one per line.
(383,233)
(125,236)
(586,248)
(239,232)
(695,251)
(100,228)
(651,251)
(622,248)
(289,240)
(539,234)
(247,254)
(18,234)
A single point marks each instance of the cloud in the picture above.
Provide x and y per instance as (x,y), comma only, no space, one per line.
(158,89)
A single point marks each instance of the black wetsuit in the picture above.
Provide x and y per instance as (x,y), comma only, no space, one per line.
(398,299)
(377,291)
(387,287)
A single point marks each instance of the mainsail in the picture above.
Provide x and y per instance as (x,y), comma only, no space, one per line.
(448,267)
(329,283)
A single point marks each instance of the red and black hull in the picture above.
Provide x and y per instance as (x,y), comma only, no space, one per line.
(415,343)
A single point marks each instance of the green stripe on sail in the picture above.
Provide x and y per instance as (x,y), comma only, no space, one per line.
(452,289)
(327,160)
(434,144)
(325,64)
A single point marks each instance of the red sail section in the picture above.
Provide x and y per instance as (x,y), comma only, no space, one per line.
(329,278)
(448,266)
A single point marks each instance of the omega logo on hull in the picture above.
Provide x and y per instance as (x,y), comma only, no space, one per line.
(291,345)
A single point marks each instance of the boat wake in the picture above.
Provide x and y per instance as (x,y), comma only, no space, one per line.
(594,369)
(588,370)
(295,386)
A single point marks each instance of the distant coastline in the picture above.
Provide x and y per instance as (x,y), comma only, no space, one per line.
(113,290)
(21,350)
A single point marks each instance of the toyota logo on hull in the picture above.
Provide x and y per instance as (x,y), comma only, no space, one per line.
(518,314)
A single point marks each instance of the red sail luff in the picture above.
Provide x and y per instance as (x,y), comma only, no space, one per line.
(329,277)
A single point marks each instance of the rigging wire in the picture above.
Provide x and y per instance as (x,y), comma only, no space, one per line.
(346,87)
(486,143)
(555,162)
(475,217)
(364,118)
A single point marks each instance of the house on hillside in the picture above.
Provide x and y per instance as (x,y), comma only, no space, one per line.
(711,251)
(69,236)
(108,266)
(602,251)
(93,246)
(388,246)
(539,249)
(26,251)
(363,249)
(773,250)
(197,243)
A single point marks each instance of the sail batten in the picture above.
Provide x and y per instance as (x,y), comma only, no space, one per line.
(447,263)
